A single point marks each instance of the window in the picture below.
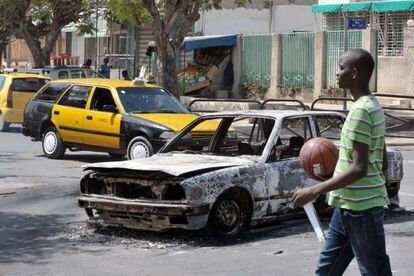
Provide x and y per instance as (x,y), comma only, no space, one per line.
(63,75)
(77,97)
(329,126)
(295,132)
(100,98)
(52,92)
(149,100)
(30,85)
(2,81)
(229,136)
(77,74)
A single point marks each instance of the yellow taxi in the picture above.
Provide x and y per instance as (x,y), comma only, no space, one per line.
(15,91)
(114,116)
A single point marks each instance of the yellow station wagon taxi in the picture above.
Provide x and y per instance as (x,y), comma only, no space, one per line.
(113,116)
(15,91)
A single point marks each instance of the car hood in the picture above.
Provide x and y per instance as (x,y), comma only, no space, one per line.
(176,164)
(174,121)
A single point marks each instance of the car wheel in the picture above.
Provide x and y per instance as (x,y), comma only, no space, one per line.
(139,147)
(229,215)
(52,145)
(3,125)
(116,155)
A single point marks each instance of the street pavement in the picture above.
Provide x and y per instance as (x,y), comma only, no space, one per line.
(43,232)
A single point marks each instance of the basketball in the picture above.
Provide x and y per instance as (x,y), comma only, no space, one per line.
(318,157)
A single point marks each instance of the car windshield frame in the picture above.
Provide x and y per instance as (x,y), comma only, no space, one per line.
(138,100)
(234,118)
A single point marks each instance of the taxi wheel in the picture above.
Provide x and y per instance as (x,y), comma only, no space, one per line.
(139,147)
(3,125)
(52,145)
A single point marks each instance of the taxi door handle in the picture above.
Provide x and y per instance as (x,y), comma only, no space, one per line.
(56,112)
(89,117)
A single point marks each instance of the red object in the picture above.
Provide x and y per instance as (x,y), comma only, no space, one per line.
(10,97)
(318,158)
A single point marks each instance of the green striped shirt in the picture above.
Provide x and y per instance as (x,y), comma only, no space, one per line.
(365,124)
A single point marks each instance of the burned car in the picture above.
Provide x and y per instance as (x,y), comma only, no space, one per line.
(246,175)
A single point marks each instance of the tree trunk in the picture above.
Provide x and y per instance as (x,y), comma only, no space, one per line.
(2,47)
(167,71)
(40,58)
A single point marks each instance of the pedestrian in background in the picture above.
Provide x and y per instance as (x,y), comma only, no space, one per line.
(357,188)
(105,68)
(87,64)
(125,75)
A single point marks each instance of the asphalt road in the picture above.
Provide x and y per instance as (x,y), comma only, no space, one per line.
(42,232)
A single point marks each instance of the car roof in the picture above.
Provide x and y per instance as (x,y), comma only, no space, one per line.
(276,114)
(25,75)
(103,82)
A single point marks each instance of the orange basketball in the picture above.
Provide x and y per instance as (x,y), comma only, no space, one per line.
(318,157)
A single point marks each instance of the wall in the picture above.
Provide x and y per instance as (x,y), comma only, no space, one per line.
(281,18)
(288,18)
(391,75)
(222,22)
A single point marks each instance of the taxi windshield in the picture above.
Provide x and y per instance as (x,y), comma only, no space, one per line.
(149,100)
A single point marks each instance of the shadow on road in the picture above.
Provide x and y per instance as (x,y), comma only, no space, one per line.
(85,157)
(193,239)
(31,238)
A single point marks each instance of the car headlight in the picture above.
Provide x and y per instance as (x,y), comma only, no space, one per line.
(167,135)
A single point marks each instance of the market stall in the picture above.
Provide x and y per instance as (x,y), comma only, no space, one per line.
(210,68)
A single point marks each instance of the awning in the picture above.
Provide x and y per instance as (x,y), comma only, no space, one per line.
(392,6)
(197,42)
(326,8)
(362,6)
(383,6)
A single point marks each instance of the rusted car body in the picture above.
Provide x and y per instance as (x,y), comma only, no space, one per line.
(245,176)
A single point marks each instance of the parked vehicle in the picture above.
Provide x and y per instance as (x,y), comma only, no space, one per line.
(246,175)
(15,91)
(105,115)
(65,72)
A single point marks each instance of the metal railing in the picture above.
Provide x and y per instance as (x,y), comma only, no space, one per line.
(399,122)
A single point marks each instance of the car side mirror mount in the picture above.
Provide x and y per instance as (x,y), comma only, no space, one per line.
(110,108)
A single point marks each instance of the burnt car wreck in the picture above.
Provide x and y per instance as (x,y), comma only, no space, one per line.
(243,174)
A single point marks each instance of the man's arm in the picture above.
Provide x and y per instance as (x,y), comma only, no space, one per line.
(385,161)
(358,169)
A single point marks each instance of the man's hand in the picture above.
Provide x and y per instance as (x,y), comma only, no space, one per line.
(303,196)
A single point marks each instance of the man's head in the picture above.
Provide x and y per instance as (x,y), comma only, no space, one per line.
(88,62)
(355,69)
(124,74)
(106,60)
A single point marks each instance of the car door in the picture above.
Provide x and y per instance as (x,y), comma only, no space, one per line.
(23,89)
(101,128)
(284,173)
(69,112)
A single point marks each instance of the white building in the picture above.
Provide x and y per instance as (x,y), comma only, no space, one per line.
(279,17)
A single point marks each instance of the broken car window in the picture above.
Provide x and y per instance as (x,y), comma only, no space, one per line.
(329,126)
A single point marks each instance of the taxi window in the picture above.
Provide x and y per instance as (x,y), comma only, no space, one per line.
(63,75)
(52,92)
(77,74)
(77,97)
(2,80)
(30,85)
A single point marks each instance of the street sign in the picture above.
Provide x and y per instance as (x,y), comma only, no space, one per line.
(357,23)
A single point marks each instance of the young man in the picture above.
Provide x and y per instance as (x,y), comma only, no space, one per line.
(357,188)
(105,69)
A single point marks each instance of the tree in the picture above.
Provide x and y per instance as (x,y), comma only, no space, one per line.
(7,24)
(43,20)
(171,22)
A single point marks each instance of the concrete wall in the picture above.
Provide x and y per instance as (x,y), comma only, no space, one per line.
(237,21)
(391,75)
(281,18)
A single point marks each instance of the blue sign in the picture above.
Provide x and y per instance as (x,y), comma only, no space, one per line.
(357,23)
